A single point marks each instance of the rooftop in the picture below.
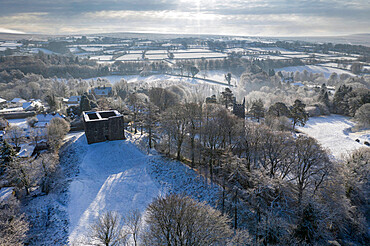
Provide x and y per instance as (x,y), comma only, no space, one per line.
(100,115)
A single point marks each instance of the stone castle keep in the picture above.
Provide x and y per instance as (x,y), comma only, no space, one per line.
(101,126)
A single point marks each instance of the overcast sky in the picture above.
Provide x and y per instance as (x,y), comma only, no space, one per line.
(234,17)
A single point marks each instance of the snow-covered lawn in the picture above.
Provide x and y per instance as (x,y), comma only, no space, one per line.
(333,133)
(117,176)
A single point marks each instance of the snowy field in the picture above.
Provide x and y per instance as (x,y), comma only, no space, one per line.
(117,176)
(102,58)
(333,132)
(216,75)
(45,51)
(327,71)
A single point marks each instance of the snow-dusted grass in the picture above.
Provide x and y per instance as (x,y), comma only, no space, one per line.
(327,71)
(333,132)
(117,176)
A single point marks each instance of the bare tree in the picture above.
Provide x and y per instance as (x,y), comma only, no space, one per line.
(107,230)
(23,173)
(47,164)
(194,113)
(177,220)
(176,121)
(150,115)
(13,224)
(56,131)
(311,165)
(15,135)
(133,224)
(136,101)
(162,98)
(275,151)
(37,134)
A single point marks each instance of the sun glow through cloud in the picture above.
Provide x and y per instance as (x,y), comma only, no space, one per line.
(235,17)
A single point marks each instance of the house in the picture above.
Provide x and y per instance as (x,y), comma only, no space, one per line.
(74,100)
(18,101)
(102,91)
(33,105)
(101,126)
(2,101)
(26,150)
(44,119)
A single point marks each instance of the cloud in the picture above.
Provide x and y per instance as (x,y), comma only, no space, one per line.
(6,30)
(238,17)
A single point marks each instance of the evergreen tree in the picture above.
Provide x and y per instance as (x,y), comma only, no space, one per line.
(279,109)
(323,95)
(257,109)
(308,225)
(228,78)
(7,155)
(227,97)
(298,113)
(340,100)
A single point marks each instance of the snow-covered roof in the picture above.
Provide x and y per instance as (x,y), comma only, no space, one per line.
(74,99)
(102,91)
(47,117)
(31,105)
(6,193)
(26,150)
(100,115)
(18,100)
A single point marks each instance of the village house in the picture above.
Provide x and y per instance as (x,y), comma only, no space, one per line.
(2,101)
(101,126)
(74,101)
(102,91)
(32,105)
(44,119)
(18,101)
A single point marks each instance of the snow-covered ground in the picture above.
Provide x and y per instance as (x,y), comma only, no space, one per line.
(22,123)
(216,75)
(327,71)
(117,176)
(333,132)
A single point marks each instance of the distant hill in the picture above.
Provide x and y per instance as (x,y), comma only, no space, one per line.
(355,39)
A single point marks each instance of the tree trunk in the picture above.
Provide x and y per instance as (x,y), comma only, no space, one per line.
(150,136)
(192,152)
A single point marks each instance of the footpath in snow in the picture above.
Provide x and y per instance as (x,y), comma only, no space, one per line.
(117,176)
(333,132)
